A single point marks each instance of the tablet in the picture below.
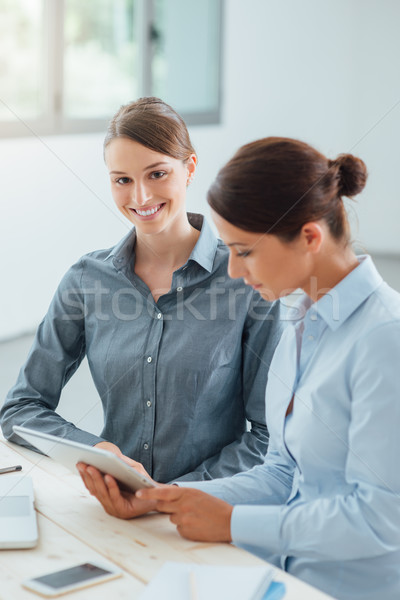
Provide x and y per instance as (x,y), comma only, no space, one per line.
(18,527)
(68,453)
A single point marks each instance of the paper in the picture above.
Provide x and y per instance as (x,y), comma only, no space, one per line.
(175,581)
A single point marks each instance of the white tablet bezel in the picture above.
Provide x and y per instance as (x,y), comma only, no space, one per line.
(69,453)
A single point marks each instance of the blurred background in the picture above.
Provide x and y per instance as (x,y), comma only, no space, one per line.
(323,72)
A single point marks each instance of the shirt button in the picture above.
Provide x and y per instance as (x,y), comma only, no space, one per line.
(179,289)
(148,403)
(310,337)
(146,446)
(149,359)
(313,317)
(159,316)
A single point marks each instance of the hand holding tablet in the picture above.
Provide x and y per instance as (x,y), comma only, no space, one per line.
(69,453)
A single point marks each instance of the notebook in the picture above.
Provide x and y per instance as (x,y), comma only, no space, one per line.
(180,581)
(18,527)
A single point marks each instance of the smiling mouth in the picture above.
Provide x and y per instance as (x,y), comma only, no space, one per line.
(148,212)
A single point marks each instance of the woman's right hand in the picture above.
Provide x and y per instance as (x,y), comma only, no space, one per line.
(115,502)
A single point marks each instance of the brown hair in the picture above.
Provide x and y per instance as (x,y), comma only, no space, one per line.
(276,185)
(154,124)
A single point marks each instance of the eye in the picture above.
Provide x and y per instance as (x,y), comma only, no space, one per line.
(157,174)
(122,180)
(244,253)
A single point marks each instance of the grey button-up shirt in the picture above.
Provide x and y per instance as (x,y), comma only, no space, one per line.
(177,378)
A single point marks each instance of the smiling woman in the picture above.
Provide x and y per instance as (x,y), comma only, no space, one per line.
(149,182)
(179,352)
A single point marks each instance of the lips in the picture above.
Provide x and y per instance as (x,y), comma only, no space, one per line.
(255,286)
(148,213)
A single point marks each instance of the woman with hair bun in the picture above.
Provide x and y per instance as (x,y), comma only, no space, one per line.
(179,352)
(325,504)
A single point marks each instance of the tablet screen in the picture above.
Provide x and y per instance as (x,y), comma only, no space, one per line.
(14,506)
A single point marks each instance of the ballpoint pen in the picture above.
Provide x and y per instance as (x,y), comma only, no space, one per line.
(10,469)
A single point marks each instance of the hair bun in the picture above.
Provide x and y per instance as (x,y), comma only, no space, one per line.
(352,174)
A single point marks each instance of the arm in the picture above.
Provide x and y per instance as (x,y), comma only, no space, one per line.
(203,510)
(364,522)
(57,351)
(261,335)
(270,483)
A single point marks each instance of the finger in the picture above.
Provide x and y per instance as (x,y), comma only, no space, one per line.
(135,465)
(98,482)
(174,518)
(101,490)
(125,504)
(168,493)
(132,463)
(113,489)
(86,478)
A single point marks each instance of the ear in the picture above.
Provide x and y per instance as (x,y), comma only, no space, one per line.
(312,235)
(191,164)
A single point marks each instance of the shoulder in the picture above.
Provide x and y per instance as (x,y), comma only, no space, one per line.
(90,259)
(381,310)
(376,332)
(93,263)
(387,302)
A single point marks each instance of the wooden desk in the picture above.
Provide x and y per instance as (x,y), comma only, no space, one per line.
(74,528)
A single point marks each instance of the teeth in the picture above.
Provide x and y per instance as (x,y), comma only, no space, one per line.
(146,213)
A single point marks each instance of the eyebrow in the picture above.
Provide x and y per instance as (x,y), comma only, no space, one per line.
(157,164)
(236,244)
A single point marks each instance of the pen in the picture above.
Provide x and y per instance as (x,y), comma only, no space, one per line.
(10,469)
(193,587)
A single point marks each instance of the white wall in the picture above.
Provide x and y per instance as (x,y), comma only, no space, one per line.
(324,72)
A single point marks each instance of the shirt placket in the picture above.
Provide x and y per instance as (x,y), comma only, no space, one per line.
(149,370)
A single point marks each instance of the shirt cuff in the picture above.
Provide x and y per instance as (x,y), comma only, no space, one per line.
(257,527)
(212,487)
(83,437)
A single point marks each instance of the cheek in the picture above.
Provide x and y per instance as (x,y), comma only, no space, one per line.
(119,196)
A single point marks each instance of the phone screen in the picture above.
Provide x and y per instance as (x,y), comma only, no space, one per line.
(77,574)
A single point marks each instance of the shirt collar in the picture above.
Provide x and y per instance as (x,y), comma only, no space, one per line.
(122,252)
(342,300)
(203,253)
(206,246)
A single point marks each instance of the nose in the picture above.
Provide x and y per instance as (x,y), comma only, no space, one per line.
(140,195)
(236,267)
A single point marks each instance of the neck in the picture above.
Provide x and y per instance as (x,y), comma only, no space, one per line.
(168,249)
(330,269)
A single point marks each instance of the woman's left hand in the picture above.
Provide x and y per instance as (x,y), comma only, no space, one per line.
(115,502)
(197,515)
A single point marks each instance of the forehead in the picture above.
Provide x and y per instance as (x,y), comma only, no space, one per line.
(126,151)
(232,234)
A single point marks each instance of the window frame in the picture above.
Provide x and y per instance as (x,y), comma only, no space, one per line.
(53,121)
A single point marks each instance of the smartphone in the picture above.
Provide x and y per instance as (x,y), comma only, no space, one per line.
(69,580)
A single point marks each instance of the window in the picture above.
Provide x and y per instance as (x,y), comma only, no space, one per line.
(67,65)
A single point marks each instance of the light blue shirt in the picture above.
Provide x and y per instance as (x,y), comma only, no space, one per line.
(326,501)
